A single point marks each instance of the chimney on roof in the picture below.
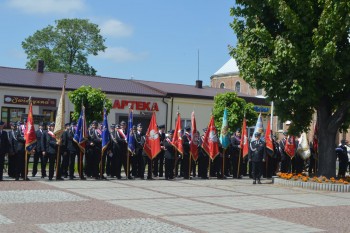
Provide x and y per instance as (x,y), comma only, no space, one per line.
(199,84)
(40,66)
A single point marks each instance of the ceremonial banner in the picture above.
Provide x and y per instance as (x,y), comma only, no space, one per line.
(244,140)
(224,136)
(210,144)
(131,139)
(177,139)
(290,147)
(195,138)
(80,135)
(258,128)
(105,132)
(152,143)
(268,140)
(29,133)
(59,124)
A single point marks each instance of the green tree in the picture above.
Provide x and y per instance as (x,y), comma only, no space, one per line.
(299,52)
(65,47)
(93,100)
(236,108)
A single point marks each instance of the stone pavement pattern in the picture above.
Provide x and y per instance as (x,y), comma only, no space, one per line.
(169,206)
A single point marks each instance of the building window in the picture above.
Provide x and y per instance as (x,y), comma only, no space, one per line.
(238,87)
(11,115)
(259,92)
(50,114)
(222,85)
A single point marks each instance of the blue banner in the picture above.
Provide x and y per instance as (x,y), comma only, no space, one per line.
(131,139)
(105,131)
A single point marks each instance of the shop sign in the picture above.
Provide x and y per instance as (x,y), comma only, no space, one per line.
(262,109)
(23,100)
(136,105)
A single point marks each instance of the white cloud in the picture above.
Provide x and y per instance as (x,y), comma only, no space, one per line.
(115,28)
(47,6)
(120,54)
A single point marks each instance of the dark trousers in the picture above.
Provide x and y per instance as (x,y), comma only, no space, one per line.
(286,164)
(256,170)
(122,160)
(95,160)
(11,165)
(65,164)
(178,166)
(203,162)
(185,166)
(108,165)
(2,162)
(37,156)
(220,167)
(72,155)
(149,164)
(236,162)
(138,165)
(169,168)
(52,163)
(158,164)
(20,165)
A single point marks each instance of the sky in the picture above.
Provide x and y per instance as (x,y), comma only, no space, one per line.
(154,40)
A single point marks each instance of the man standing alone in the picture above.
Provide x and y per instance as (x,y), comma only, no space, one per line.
(257,154)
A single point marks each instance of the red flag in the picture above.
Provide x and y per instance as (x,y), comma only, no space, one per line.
(210,144)
(268,140)
(290,147)
(177,139)
(29,133)
(195,138)
(244,140)
(152,143)
(315,139)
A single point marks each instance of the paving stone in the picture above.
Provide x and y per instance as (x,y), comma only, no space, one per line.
(4,220)
(195,191)
(86,184)
(30,196)
(170,206)
(143,225)
(240,222)
(251,203)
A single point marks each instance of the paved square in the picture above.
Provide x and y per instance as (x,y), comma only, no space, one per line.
(170,206)
(85,184)
(249,203)
(143,225)
(240,222)
(30,196)
(195,191)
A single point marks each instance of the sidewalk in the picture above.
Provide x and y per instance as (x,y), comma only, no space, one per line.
(168,206)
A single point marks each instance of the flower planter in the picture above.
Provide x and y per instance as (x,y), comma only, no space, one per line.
(334,187)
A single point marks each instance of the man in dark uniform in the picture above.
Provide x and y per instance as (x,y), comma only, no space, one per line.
(158,162)
(203,159)
(4,148)
(17,150)
(186,138)
(139,140)
(257,154)
(235,155)
(342,154)
(65,153)
(285,159)
(122,151)
(110,152)
(50,146)
(39,153)
(70,149)
(169,155)
(11,159)
(95,144)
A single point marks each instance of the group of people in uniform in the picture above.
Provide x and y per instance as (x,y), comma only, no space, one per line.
(96,163)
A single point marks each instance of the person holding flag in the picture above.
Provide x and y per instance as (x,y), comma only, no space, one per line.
(225,143)
(30,138)
(237,162)
(195,143)
(95,149)
(105,144)
(169,155)
(80,138)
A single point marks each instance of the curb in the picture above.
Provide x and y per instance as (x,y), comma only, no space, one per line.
(312,185)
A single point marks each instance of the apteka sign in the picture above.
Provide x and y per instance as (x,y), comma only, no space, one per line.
(136,105)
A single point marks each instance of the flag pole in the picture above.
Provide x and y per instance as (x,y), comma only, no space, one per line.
(58,157)
(223,162)
(80,164)
(208,172)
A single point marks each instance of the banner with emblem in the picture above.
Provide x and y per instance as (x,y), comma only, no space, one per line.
(224,135)
(244,140)
(59,123)
(195,138)
(29,133)
(177,139)
(258,128)
(105,132)
(210,144)
(80,135)
(268,140)
(131,138)
(152,142)
(290,147)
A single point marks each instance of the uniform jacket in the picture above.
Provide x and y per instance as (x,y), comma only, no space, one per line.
(257,150)
(4,143)
(39,133)
(16,141)
(68,143)
(169,151)
(49,143)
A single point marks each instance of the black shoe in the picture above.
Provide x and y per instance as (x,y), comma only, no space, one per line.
(17,178)
(119,177)
(71,178)
(150,178)
(83,178)
(97,178)
(254,182)
(42,177)
(104,178)
(204,177)
(259,182)
(59,178)
(130,178)
(50,178)
(33,175)
(27,179)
